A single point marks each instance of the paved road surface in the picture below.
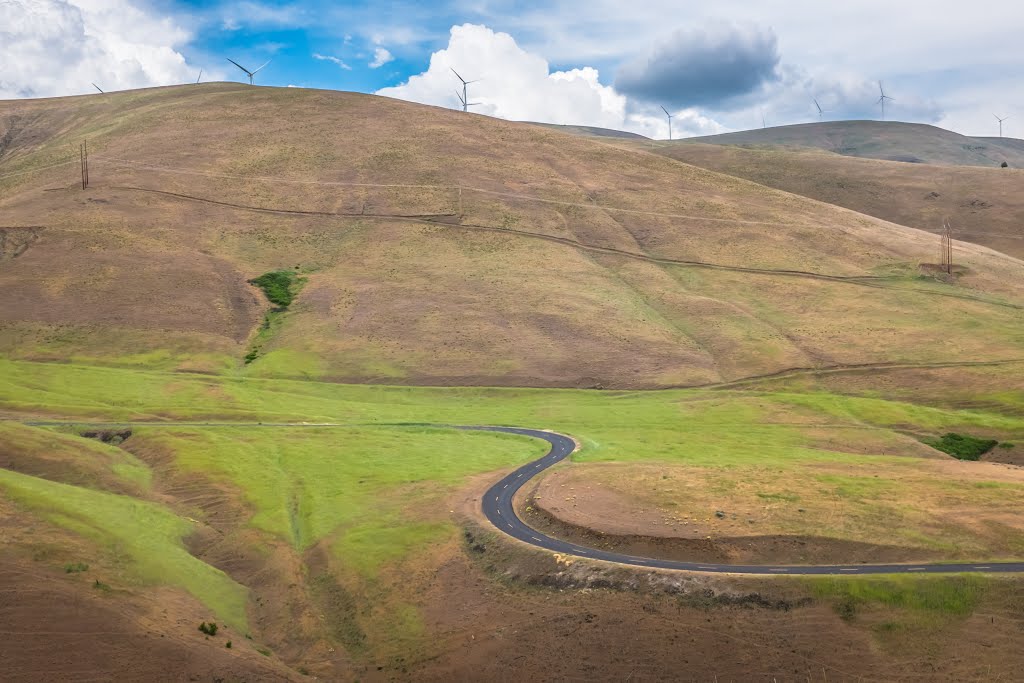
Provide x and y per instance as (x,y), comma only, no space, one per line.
(497,506)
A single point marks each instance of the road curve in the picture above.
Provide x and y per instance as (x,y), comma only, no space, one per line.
(498,508)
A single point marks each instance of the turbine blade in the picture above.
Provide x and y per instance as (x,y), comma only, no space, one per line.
(459,95)
(239,66)
(666,112)
(97,87)
(464,82)
(264,64)
(200,76)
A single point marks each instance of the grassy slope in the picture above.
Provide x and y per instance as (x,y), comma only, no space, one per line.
(375,498)
(888,140)
(382,292)
(984,206)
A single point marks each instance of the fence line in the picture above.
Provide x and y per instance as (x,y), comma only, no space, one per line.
(459,188)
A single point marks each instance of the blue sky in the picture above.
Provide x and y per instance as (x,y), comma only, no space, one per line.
(716,66)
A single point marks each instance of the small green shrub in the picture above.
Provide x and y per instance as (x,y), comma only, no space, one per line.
(263,651)
(251,356)
(209,629)
(1006,445)
(962,446)
(100,586)
(228,645)
(280,286)
(75,567)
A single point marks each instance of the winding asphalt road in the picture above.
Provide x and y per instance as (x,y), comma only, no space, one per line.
(498,507)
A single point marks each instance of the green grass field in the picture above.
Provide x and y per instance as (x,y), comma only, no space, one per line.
(373,492)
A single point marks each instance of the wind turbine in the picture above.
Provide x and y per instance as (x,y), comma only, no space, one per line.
(882,98)
(97,87)
(1001,123)
(464,98)
(250,73)
(465,105)
(764,122)
(670,117)
(821,112)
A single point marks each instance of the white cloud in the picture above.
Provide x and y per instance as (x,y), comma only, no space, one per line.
(518,85)
(381,56)
(59,47)
(333,59)
(250,14)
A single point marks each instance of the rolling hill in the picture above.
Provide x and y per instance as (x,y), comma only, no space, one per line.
(462,250)
(984,205)
(169,460)
(885,140)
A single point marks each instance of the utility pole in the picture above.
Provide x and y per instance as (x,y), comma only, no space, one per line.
(947,247)
(83,154)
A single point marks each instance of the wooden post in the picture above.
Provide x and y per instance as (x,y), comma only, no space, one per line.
(83,159)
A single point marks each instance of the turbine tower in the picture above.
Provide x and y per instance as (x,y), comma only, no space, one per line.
(670,117)
(465,105)
(1000,123)
(882,98)
(464,97)
(249,73)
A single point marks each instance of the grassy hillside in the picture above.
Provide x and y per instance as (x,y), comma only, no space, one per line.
(984,206)
(434,247)
(342,550)
(886,140)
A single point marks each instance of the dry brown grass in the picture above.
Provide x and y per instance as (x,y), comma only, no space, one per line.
(600,284)
(984,205)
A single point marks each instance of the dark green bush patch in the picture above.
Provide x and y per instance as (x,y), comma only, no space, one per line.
(209,629)
(280,286)
(76,567)
(962,446)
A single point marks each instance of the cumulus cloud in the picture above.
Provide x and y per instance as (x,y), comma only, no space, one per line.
(706,66)
(381,56)
(334,60)
(519,85)
(59,47)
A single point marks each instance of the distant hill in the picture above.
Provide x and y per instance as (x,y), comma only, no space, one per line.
(885,140)
(590,131)
(984,205)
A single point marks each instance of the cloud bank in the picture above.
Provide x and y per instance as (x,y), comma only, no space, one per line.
(699,67)
(519,85)
(59,47)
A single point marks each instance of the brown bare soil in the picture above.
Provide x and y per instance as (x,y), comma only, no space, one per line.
(98,625)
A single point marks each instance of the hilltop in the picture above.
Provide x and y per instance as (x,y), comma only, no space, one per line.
(885,140)
(590,131)
(435,247)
